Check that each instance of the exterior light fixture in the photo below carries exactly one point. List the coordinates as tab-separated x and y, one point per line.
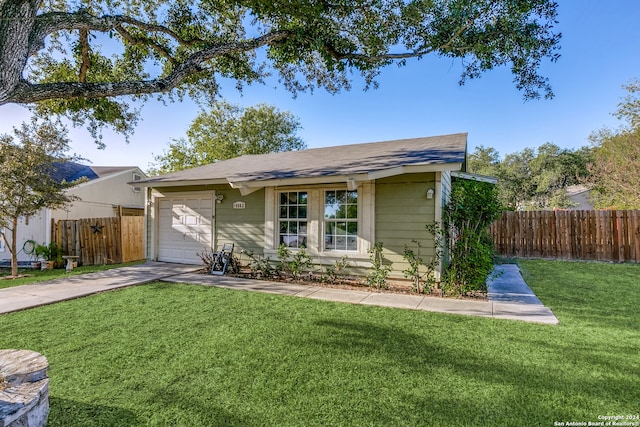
219	198
430	193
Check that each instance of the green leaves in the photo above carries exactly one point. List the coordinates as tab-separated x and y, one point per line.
534	179
65	51
472	207
27	168
616	169
228	131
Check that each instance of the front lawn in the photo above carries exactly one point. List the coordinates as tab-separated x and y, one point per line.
186	355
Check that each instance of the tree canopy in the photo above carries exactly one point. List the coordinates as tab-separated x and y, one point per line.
228	131
616	167
28	162
534	178
89	59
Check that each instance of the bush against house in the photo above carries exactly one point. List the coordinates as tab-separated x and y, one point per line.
472	208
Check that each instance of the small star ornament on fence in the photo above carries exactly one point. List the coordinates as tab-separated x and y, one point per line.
97	229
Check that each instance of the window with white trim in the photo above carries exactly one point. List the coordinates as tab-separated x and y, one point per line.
137	177
340	220
292	218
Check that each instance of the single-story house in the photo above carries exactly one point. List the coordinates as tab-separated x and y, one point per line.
335	201
106	192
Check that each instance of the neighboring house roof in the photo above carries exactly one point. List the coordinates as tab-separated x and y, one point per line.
72	171
329	164
103	171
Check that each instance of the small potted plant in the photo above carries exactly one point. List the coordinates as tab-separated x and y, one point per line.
50	254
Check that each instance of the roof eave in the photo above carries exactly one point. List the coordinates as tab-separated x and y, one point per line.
475	177
248	187
179	183
402	170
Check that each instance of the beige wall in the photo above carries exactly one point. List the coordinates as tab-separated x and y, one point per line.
98	197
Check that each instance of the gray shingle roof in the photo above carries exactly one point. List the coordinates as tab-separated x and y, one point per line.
337	161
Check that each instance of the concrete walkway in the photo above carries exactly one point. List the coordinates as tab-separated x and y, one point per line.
509	296
42	293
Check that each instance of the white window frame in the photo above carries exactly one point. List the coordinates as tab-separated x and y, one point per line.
137	177
300	238
326	221
315	220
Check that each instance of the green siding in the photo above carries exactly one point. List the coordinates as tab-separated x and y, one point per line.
402	212
244	227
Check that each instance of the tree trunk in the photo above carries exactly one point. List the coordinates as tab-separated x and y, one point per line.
12	248
16	25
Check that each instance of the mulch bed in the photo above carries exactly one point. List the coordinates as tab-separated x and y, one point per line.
393	287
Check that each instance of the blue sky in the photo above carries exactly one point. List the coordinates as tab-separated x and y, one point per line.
600	52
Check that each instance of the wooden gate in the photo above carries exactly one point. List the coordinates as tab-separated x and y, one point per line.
98	241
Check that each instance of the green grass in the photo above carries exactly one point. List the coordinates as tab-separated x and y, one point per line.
34	275
186	355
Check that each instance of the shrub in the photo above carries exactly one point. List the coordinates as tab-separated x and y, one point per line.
336	270
261	267
294	264
473	207
422	274
379	271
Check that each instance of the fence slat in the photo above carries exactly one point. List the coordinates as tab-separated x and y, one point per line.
101	240
606	235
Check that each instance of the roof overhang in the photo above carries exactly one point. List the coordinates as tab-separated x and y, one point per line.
475	177
352	180
249	186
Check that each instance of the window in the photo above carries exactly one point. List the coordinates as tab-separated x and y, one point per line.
137	177
2	248
341	220
293	218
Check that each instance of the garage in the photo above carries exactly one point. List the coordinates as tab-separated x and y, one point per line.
185	227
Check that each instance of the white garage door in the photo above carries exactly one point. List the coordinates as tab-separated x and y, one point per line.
185	227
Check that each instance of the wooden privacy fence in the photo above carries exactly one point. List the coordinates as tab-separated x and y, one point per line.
101	240
604	235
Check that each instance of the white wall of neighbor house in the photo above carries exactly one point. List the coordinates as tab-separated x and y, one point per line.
36	228
99	198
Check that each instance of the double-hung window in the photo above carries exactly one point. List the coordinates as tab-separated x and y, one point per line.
340	220
292	218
